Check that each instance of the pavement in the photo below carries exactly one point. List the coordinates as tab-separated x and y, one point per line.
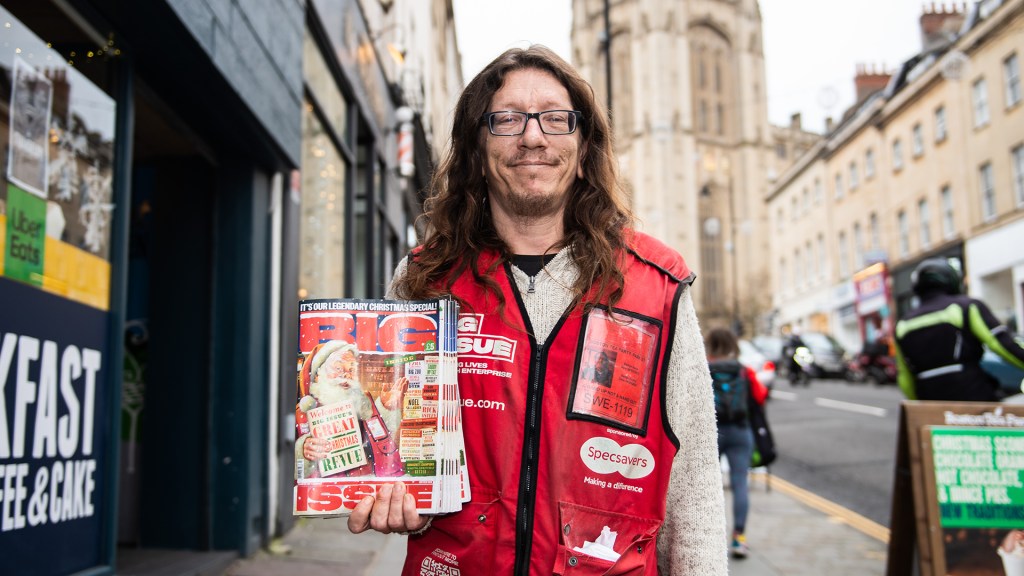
791	532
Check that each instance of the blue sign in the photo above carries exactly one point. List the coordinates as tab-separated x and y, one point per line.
53	432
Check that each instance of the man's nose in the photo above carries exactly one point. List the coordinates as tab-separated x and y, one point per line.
533	131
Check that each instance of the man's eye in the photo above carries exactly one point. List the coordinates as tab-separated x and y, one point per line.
506	119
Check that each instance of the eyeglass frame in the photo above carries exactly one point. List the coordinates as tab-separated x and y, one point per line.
486	121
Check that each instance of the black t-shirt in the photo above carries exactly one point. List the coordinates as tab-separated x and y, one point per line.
531	264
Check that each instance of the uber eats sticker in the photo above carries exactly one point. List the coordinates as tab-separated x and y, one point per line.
26	236
979	476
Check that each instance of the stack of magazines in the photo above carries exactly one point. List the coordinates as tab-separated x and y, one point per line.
378	403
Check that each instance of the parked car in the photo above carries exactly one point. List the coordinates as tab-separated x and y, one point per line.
756	360
771	347
830	358
1008	375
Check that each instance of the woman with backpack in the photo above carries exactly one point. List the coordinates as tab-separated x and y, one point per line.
735	387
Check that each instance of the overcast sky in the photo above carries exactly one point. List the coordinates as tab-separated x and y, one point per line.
812	47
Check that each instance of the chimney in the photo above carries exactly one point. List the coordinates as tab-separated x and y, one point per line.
869	80
829	124
794	121
940	25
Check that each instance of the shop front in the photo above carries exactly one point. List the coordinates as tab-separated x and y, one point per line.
141	226
873	304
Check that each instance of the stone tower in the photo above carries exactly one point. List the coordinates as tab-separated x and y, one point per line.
689	107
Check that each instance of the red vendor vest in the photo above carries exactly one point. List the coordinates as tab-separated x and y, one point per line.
565	439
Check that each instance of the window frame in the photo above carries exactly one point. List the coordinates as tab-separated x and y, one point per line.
979	103
1011	80
941	129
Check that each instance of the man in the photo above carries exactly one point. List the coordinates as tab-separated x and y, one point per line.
529	229
939	344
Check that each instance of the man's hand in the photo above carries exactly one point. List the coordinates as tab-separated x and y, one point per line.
394	511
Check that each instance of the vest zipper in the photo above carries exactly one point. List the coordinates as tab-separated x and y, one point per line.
530	288
528	474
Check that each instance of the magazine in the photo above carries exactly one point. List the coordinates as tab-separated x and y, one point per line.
377	402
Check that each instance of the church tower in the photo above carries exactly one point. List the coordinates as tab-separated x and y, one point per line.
689	108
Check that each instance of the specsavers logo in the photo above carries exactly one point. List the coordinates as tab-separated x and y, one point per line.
604	456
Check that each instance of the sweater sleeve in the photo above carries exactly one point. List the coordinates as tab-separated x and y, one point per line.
692	541
399	272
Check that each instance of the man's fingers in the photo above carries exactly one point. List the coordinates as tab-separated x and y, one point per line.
396	517
413	520
359	520
379	516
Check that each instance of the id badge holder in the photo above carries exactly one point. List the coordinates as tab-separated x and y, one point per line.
613	379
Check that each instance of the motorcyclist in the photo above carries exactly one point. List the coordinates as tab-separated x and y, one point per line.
875	361
939	344
792	343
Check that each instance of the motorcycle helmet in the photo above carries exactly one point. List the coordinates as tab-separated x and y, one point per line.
935	275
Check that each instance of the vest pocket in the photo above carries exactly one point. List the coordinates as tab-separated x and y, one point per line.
635	539
471	531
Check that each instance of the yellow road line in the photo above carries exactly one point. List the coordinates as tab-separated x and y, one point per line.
868	527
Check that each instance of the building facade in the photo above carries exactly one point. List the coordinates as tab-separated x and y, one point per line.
930	166
137	279
179	174
689	107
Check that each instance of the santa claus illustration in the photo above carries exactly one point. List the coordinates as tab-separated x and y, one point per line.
332	376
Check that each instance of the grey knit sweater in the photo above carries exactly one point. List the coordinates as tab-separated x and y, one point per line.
692	541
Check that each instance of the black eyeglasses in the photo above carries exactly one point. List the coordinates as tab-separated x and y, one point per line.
512	123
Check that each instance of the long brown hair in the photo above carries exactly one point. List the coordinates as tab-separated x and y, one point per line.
458	222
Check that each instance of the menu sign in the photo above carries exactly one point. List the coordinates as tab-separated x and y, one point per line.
959	490
978	477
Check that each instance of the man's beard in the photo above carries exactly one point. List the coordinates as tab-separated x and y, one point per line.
330	391
532	205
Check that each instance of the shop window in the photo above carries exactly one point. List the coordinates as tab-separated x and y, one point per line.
58	141
324	90
322	226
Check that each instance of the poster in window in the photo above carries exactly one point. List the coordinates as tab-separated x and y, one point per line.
31	99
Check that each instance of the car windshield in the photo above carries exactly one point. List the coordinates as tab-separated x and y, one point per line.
749	350
821	341
769	345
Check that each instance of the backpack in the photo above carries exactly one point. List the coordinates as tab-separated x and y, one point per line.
732	390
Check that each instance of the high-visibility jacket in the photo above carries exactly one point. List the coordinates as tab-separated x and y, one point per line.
939	347
557	449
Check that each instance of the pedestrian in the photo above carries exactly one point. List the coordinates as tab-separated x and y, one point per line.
528	227
735	386
939	344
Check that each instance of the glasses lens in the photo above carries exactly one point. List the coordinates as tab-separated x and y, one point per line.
507	123
558	121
